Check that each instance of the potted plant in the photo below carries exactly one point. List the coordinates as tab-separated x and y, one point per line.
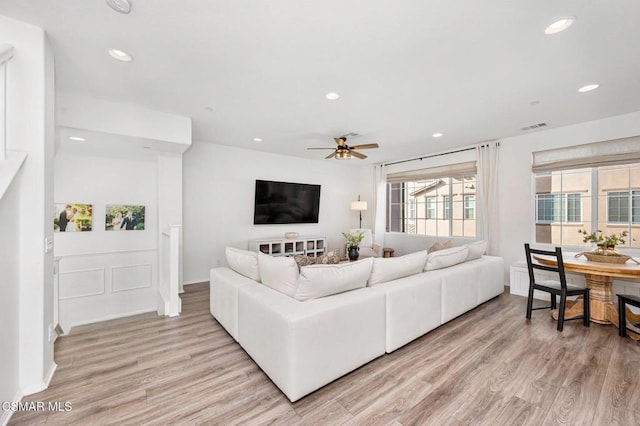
353	244
605	244
605	250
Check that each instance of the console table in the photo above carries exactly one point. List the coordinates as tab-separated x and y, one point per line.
312	246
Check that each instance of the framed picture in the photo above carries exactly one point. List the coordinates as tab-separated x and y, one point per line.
73	218
123	217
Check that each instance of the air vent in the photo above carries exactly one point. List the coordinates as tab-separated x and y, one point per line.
534	126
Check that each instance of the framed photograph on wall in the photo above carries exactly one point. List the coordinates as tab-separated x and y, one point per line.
124	217
73	218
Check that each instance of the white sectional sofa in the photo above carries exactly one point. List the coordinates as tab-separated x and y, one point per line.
304	345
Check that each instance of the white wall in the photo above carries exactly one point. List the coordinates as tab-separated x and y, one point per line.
515	187
9	297
106	274
219	188
98	115
30	86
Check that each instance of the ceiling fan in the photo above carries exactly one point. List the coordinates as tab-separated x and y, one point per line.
344	151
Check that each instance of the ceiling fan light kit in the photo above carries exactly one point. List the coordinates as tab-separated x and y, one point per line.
346	152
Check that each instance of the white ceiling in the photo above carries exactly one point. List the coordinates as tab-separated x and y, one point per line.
469	69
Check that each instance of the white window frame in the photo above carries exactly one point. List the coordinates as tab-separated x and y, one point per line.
466	208
631	193
446	207
431	208
564	198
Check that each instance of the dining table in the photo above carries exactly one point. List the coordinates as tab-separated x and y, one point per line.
599	278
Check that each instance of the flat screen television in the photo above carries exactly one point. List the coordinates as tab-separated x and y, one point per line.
284	203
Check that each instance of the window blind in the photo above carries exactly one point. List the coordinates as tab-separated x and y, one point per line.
451	170
616	151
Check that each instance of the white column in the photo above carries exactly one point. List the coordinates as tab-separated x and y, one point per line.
6	53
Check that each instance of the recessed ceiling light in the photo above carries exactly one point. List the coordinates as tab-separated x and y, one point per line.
558	26
436	135
122	6
332	96
76	138
588	88
257	139
120	55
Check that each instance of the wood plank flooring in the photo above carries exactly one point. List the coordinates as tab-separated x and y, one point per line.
489	366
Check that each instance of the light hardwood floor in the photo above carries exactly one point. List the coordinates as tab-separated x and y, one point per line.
489	366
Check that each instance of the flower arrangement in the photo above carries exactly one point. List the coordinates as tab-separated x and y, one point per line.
353	240
604	241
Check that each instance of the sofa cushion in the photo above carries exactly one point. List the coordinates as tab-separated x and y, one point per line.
324	280
243	262
476	250
391	268
445	258
279	273
440	246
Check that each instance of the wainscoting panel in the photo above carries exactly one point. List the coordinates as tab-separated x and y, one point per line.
130	277
101	286
81	283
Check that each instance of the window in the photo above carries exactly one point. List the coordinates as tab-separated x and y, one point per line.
439	207
623	207
412	209
431	208
446	203
469	207
605	198
558	208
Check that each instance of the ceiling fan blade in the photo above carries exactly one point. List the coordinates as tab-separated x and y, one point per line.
333	154
321	148
366	146
357	155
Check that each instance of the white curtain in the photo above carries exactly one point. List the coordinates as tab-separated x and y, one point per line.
380	203
487	202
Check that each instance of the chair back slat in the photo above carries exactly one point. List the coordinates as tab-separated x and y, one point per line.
559	269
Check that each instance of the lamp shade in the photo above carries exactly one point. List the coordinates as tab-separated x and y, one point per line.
358	205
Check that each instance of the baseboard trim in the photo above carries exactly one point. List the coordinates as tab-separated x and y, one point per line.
196	282
5	416
112	317
49	376
42	385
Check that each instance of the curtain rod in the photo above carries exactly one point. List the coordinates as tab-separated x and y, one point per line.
430	156
442	153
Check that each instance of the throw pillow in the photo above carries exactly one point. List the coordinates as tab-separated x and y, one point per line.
279	273
476	250
445	258
391	268
243	262
440	246
329	258
324	280
304	260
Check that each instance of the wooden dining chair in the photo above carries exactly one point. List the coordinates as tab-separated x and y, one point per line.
623	301
553	287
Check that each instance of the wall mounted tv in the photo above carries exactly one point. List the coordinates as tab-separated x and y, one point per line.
283	203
